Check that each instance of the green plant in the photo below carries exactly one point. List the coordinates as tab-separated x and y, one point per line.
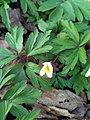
62	37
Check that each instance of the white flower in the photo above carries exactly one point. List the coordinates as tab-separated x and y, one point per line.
47	68
88	73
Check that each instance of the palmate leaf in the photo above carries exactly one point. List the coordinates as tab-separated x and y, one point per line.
6	56
14	91
31	41
5	107
35	42
60	45
15	38
17	94
28	96
60	83
71	30
78	83
32	71
4	15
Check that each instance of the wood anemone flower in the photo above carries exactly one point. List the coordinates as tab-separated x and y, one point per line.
47	68
88	73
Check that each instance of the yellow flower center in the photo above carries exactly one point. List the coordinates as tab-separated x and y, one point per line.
47	69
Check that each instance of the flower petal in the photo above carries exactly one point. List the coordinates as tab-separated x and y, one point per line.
88	73
50	66
42	71
49	74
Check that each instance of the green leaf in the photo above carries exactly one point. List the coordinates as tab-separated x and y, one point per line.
45	84
68	10
33	67
77	10
81	26
44	49
56	14
31	116
29	95
23	5
82	55
18	110
14	91
59	83
45	26
5	107
42	38
33	9
71	30
15	39
33	77
35	42
48	5
32	70
71	61
19	72
5	16
5	80
42	25
83	5
31	41
4	72
80	84
61	45
7	57
85	37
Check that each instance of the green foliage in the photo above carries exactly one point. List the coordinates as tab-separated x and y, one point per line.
25	4
3	78
4	14
30	116
62	37
19	94
15	39
5	107
35	42
32	70
6	56
78	83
